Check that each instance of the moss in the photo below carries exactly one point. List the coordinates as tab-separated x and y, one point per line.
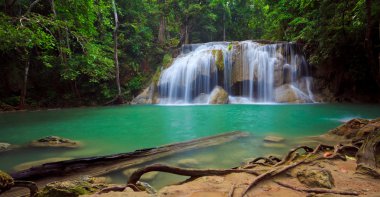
229	48
219	59
67	189
156	76
6	181
167	60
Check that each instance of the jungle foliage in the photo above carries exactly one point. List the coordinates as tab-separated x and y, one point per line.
60	53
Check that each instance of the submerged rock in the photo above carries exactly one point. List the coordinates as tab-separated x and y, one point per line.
273	139
187	163
149	176
55	141
274	145
4	146
218	96
6	181
316	177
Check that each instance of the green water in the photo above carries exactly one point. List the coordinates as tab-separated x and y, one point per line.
107	130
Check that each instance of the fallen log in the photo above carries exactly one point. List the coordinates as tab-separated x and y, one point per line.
100	165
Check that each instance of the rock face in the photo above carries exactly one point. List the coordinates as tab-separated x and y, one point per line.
4	146
6	181
218	96
55	141
316	178
148	96
288	94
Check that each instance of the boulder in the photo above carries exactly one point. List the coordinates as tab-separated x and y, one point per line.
71	188
6	181
4	146
273	139
289	94
316	177
55	141
218	96
356	128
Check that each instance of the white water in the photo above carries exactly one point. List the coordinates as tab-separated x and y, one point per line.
251	73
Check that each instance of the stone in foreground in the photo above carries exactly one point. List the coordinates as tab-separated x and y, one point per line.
316	177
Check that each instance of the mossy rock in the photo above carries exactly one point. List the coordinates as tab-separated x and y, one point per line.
67	189
219	59
6	181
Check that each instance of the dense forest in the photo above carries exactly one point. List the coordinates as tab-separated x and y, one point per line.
90	52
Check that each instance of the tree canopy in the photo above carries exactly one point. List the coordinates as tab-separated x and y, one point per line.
61	53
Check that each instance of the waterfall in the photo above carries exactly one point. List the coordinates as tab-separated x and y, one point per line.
248	71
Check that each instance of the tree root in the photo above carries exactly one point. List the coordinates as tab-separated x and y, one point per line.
28	184
291	152
136	175
291	156
292	159
318	191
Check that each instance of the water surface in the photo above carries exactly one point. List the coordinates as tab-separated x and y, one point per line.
108	130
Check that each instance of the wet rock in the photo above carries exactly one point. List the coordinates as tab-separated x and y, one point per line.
288	94
70	188
188	163
4	146
274	145
148	96
315	177
128	172
356	129
273	139
6	181
201	98
55	141
218	96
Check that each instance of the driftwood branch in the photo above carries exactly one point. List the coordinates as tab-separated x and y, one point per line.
318	191
184	172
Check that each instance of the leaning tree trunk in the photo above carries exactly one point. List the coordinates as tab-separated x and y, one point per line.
368	156
162	27
369	43
116	59
25	83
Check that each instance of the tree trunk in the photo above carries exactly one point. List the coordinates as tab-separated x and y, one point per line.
162	27
186	35
224	25
161	31
369	43
24	87
116	59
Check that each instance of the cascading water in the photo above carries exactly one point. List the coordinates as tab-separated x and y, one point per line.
248	71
